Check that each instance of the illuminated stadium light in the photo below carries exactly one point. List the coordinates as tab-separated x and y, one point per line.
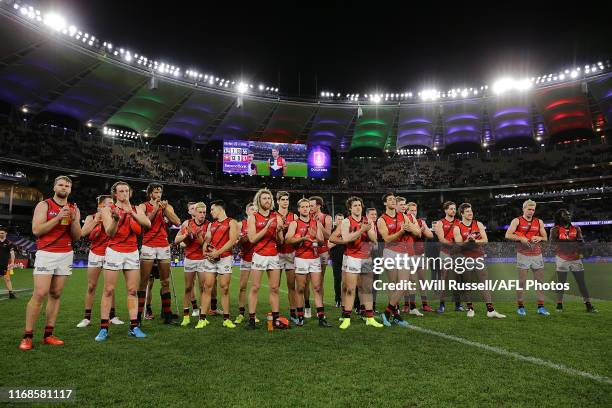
429	94
376	98
508	84
55	21
242	87
24	109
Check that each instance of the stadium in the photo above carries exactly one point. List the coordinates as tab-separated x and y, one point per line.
99	140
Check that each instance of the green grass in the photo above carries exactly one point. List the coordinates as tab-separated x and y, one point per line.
313	367
294	169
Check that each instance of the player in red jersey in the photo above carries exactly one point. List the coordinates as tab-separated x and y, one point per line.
220	238
155	246
195	310
568	241
191	235
470	235
357	233
122	223
398	232
94	231
528	231
302	233
316	203
265	232
411	209
286	253
56	223
246	261
444	232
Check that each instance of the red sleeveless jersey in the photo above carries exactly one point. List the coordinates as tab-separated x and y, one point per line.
473	250
157	235
568	249
128	229
324	247
447	230
419	242
287	248
220	234
246	252
528	229
59	238
404	244
266	246
306	250
193	248
359	248
99	240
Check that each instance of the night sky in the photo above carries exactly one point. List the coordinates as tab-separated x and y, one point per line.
351	49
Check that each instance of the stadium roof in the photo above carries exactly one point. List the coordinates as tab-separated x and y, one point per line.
47	72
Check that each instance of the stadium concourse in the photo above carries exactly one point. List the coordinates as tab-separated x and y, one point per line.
115	196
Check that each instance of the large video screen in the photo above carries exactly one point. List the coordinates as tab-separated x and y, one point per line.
255	158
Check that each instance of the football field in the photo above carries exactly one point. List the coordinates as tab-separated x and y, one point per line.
442	360
294	169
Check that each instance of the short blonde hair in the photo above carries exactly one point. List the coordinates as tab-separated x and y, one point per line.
200	204
64	178
528	203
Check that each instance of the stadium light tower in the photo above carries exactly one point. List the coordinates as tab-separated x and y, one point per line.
55	21
242	87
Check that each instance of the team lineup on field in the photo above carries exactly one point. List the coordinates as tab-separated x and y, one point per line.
272	239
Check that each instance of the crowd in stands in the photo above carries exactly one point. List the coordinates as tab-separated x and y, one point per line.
576	161
55	147
93	153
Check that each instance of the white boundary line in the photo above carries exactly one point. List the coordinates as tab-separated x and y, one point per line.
517	356
498	350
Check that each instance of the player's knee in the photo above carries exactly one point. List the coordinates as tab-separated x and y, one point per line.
165	283
349	291
109	291
55	294
39	296
255	287
91	288
317	288
132	292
